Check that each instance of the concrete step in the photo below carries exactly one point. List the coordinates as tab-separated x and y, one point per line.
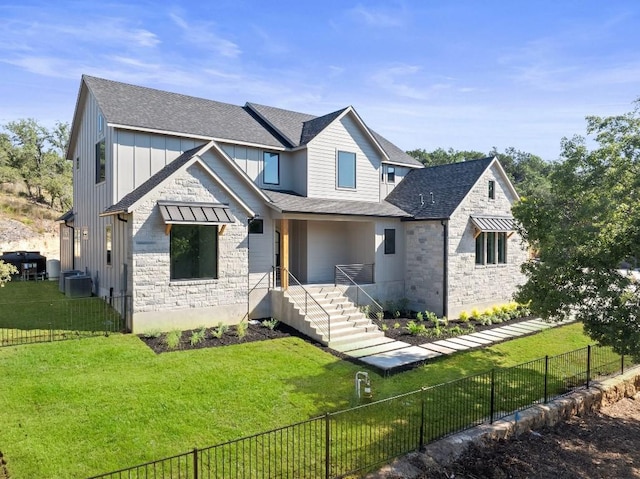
354	339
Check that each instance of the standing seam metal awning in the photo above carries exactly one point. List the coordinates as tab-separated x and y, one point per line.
491	224
194	213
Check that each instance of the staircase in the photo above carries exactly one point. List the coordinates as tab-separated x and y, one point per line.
324	314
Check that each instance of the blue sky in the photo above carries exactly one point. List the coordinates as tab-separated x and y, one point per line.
425	74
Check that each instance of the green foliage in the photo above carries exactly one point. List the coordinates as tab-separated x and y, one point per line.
396	314
6	271
475	314
36	155
172	338
241	329
431	317
384	327
396	325
198	336
270	323
583	230
463	316
219	330
152	333
419	316
416	329
380	315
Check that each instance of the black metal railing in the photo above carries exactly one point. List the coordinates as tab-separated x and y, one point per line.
66	318
358	272
313	311
355	440
350	288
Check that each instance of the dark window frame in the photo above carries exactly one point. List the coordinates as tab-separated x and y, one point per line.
181	262
267	158
492	190
491	248
101	161
256	226
389	241
391	174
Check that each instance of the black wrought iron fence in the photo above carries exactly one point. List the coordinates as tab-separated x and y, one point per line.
355	440
55	320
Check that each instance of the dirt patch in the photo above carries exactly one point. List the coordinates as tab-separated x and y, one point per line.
600	445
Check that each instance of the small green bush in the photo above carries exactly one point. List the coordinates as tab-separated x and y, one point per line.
419	316
464	316
172	339
416	329
475	314
219	331
396	314
241	329
152	333
198	336
396	325
384	327
270	323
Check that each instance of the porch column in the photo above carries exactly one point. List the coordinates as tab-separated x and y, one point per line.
284	253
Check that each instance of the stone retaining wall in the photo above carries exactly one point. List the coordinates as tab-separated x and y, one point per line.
447	450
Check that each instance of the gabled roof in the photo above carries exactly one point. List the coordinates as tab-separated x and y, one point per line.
300	128
290	202
128	202
436	192
140	107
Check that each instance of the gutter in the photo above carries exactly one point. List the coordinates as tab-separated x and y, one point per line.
73	244
445	267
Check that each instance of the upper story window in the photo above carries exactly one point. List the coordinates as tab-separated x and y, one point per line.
256	226
271	169
346	170
492	190
100	123
391	174
101	161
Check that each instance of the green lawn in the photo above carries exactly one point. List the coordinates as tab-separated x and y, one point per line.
76	408
82	407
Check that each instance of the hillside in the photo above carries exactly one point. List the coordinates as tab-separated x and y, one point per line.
25	225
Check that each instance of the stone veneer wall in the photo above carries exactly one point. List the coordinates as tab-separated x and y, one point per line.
164	304
472	285
425	265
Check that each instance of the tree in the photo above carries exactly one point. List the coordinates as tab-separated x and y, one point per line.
36	155
584	229
440	156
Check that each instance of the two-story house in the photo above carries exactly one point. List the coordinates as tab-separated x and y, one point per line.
202	211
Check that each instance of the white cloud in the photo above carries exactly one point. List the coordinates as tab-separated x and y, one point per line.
378	17
202	35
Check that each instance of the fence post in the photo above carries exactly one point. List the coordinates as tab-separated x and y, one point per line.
493	395
327	446
546	379
195	463
422	418
588	365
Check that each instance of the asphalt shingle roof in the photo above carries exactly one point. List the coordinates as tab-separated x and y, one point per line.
290	202
143	107
442	188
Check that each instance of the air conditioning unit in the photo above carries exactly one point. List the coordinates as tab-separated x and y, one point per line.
77	286
64	275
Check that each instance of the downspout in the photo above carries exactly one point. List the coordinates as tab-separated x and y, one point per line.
73	244
445	267
125	282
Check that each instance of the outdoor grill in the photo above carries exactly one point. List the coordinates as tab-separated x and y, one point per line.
30	264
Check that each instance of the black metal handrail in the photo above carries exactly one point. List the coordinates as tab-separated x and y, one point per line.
313	310
365	303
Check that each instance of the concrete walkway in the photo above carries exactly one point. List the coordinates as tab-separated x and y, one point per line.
387	354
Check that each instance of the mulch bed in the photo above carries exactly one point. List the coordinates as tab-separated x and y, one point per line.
401	333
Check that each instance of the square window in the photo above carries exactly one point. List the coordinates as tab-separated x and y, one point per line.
271	172
492	189
389	241
256	226
346	170
193	251
101	161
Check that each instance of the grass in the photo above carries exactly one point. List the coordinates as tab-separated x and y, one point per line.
77	408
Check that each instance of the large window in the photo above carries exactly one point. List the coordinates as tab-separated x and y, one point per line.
194	251
346	170
491	248
101	161
271	172
389	241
